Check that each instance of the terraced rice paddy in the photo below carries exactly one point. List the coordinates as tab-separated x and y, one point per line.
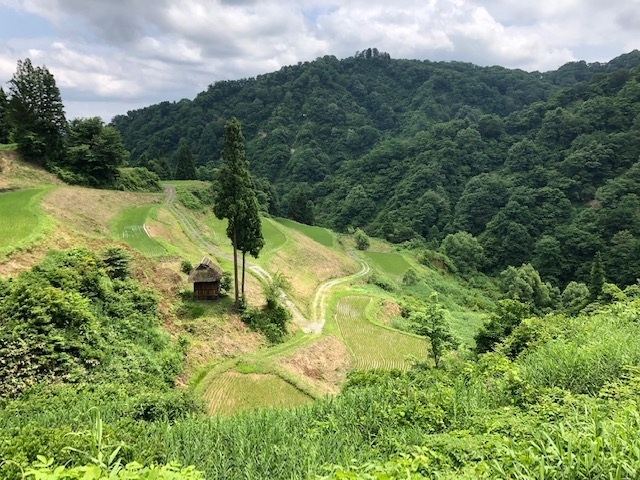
391	263
20	218
319	234
373	346
233	391
129	227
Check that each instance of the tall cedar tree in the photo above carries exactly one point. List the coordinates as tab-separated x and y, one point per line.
185	168
250	237
36	114
4	121
236	198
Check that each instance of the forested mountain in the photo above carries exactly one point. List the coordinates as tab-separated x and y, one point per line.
540	167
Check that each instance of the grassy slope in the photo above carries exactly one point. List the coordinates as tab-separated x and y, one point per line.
22	221
221	347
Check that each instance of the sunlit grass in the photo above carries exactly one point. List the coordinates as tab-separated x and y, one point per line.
21	220
390	263
129	226
321	235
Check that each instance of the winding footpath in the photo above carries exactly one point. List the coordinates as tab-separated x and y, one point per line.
320	297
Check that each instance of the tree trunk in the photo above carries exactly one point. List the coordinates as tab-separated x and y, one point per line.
235	264
243	255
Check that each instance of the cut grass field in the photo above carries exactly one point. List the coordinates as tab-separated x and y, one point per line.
129	227
319	234
274	238
374	346
21	220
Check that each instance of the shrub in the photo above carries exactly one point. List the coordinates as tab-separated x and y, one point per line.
116	261
361	239
186	267
138	179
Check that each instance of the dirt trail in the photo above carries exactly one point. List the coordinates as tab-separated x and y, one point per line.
318	309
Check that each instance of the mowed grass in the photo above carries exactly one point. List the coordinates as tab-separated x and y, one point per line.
232	392
21	220
391	263
129	227
319	234
373	346
273	237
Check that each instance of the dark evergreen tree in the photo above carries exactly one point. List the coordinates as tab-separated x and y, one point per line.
36	114
250	239
4	120
235	198
596	277
185	168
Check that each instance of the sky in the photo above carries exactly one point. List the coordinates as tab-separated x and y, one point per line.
112	56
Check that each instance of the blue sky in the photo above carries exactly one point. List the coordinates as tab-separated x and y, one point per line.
111	56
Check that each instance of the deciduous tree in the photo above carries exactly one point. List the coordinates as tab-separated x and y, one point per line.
430	322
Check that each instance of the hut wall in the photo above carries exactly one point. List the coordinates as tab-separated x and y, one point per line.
206	290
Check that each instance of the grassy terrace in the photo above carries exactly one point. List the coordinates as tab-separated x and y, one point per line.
21	220
128	225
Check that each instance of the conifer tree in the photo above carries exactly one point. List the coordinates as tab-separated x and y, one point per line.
250	239
36	114
596	278
236	199
4	121
185	168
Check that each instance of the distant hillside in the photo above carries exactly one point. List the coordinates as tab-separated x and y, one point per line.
539	166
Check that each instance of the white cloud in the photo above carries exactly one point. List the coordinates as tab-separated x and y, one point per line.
142	52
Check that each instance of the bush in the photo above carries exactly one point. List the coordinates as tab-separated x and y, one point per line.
186	267
138	179
116	261
361	239
271	321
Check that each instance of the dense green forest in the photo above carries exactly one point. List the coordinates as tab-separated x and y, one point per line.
538	167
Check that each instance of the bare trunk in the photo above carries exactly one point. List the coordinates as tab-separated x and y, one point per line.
243	255
235	265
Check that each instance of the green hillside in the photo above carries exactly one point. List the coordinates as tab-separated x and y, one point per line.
487	326
540	167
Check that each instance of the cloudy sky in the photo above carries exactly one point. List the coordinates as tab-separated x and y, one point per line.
111	56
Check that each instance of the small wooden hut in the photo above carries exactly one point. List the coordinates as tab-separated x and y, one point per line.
206	278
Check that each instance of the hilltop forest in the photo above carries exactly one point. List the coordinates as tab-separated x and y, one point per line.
537	167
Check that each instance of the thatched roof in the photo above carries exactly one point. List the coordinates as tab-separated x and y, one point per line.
205	271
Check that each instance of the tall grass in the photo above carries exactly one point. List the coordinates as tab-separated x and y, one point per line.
587	353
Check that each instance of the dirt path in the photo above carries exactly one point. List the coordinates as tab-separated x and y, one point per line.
318	309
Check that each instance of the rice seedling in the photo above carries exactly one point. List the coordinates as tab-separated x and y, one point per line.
374	346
